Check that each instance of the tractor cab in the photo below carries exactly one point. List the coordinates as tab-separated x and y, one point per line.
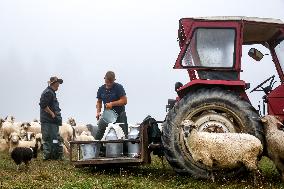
211	51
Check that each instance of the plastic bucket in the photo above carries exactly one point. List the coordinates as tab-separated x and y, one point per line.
90	151
109	116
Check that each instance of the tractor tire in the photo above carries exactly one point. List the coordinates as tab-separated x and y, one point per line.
213	110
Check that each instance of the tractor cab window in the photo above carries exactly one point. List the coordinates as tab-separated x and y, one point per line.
211	48
279	49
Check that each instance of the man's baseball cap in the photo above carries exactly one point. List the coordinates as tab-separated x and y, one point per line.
55	79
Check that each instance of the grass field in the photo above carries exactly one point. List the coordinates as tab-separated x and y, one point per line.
60	174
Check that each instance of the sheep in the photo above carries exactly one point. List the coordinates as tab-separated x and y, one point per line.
1	130
34	127
66	131
225	150
10	119
8	127
85	136
36	120
274	138
28	136
79	128
15	141
1	121
4	146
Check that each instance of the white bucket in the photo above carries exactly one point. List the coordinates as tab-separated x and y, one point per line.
109	116
90	151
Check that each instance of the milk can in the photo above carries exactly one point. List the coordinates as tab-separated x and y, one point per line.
133	148
113	149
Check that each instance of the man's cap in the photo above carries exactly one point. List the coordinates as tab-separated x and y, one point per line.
110	75
55	79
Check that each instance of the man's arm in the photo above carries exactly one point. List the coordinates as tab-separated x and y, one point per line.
99	108
121	102
48	110
44	101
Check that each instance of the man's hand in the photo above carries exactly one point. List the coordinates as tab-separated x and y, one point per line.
52	114
109	105
98	116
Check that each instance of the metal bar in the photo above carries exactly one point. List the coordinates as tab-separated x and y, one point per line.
108	161
106	141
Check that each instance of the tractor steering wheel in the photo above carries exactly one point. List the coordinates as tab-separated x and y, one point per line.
265	89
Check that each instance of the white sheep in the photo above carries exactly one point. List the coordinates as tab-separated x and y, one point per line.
225	150
274	138
4	146
1	130
15	141
67	132
85	136
79	128
1	121
10	118
8	127
34	127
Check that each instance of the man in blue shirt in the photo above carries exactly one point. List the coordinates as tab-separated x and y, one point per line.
113	96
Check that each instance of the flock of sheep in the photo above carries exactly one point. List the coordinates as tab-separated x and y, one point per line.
27	134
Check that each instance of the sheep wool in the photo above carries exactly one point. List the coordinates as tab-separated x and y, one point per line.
274	138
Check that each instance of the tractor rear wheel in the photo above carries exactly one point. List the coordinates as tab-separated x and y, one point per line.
212	110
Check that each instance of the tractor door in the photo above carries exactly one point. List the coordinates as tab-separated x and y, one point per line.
275	99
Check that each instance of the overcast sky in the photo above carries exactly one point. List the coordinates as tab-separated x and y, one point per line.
81	40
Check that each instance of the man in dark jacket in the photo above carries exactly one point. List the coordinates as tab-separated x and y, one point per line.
50	118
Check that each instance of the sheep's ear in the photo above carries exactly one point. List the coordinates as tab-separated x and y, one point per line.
29	124
6	118
263	120
22	124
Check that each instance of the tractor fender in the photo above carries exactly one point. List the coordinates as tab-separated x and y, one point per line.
238	86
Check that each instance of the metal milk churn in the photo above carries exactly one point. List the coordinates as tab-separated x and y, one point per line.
133	148
113	149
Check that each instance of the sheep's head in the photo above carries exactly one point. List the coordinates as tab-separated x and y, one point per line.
25	125
188	126
38	136
10	118
272	121
14	138
35	120
23	135
71	121
31	135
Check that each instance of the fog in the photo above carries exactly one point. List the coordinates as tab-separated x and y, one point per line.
80	40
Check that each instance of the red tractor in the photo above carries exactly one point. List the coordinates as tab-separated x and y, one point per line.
215	98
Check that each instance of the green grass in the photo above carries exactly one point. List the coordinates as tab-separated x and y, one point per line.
60	174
